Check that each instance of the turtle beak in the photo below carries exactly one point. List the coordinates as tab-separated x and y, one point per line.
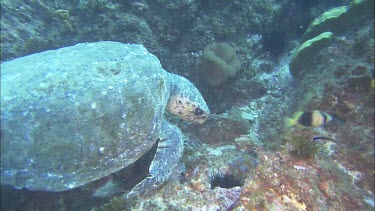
201	119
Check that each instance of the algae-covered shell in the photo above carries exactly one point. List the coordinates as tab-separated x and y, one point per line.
76	114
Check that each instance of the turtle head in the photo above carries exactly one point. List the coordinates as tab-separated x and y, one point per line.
186	101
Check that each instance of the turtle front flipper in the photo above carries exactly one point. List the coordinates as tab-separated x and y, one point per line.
167	158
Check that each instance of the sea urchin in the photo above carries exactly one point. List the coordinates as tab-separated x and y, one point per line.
224	180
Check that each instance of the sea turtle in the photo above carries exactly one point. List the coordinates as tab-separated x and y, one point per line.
73	115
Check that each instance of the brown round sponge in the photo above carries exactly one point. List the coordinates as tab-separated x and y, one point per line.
219	63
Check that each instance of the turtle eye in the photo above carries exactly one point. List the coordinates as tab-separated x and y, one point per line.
198	111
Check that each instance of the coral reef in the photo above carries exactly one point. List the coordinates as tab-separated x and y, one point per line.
328	21
306	52
219	63
218	131
279	169
299	144
359	79
63	15
340	19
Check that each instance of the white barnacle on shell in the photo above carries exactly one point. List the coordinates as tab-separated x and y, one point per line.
93	105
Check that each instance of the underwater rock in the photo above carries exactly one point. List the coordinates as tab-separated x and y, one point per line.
302	58
220	62
219	131
340	19
198	185
109	189
360	9
360	79
328	21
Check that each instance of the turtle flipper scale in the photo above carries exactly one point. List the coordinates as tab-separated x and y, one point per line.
166	159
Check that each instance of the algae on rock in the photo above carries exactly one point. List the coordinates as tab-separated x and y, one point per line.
340	19
302	58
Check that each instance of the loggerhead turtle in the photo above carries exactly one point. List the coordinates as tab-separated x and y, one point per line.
73	115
